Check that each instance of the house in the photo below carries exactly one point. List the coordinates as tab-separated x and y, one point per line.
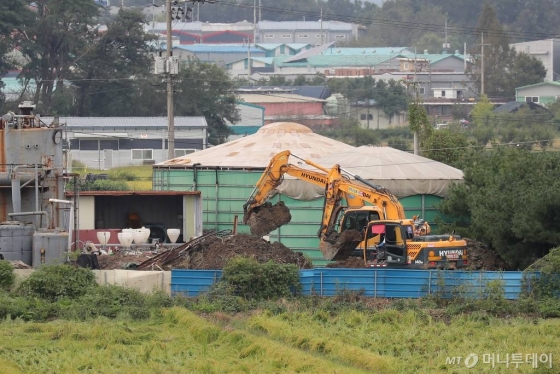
288	107
547	51
541	93
251	120
107	142
371	117
217	53
515	106
311	32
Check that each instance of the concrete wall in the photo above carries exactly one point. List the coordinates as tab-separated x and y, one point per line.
143	281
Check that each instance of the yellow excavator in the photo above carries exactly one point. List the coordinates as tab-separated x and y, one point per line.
380	231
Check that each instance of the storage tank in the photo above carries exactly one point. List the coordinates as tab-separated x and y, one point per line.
16	241
49	247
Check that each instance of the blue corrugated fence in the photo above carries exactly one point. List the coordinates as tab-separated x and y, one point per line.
389	283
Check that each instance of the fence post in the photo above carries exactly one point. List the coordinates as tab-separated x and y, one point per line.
480	285
429	282
375	283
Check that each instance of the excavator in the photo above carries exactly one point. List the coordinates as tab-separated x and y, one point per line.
380	231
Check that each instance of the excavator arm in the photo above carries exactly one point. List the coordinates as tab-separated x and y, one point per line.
273	176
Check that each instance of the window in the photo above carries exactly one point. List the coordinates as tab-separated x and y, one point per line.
302	36
406	66
340	36
142	154
442	93
363	116
268	36
286	36
422	91
531	99
183	152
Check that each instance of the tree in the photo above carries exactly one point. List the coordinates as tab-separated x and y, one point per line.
111	65
446	145
201	89
509	200
12	13
481	119
53	41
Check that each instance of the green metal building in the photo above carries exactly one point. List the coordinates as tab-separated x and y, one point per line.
226	176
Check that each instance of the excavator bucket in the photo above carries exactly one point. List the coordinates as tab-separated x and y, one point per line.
267	218
341	248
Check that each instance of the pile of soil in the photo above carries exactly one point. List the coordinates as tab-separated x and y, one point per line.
483	258
214	252
268	218
350	262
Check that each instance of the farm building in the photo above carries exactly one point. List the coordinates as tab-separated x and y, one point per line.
226	175
106	142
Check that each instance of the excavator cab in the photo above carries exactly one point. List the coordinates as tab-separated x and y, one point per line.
386	243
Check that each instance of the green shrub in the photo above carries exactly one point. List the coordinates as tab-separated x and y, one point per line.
7	276
105	185
253	280
122	175
113	301
56	282
27	308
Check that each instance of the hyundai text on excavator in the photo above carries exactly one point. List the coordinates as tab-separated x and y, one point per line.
380	231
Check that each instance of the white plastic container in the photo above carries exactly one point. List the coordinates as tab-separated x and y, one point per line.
173	234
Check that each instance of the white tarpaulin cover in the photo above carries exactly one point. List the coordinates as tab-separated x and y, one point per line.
255	151
403	173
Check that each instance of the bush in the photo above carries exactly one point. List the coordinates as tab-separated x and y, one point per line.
56	282
105	185
27	309
7	276
253	280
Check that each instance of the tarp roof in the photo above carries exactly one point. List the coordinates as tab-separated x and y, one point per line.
255	151
402	173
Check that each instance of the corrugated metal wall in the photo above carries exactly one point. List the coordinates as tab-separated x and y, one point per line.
387	283
225	191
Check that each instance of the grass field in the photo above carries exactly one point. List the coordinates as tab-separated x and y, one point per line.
180	341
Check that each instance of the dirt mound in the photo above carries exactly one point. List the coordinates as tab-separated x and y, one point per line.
483	258
214	252
268	218
350	262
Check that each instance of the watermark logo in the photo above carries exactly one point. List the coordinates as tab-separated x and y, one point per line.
469	361
507	359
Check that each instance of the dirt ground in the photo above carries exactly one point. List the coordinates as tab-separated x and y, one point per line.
268	218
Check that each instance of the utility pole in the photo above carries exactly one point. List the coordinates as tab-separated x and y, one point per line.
170	117
482	64
416	136
169	65
321	25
